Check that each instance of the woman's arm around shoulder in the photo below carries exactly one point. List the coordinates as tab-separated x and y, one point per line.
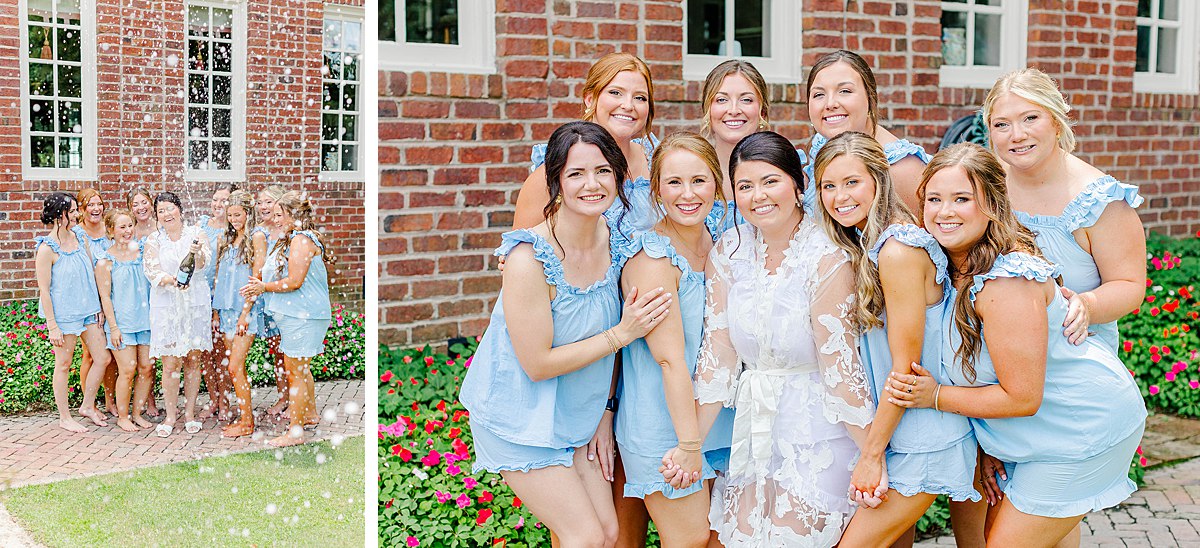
531	200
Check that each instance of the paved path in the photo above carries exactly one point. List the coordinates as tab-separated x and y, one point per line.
1166	511
33	449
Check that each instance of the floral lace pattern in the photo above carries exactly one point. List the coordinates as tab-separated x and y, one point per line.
780	348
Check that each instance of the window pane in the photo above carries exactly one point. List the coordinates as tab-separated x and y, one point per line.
387	20
987	39
222	57
40	10
222	90
70	153
221	118
197	55
349	127
350	66
329	127
220	155
988	2
349	158
70	81
431	21
1143	49
41	152
333	34
954	1
68	44
198	154
198	20
41	79
329	158
68	11
41	115
352	36
332	68
70	117
39	43
222	23
705	26
1169	10
333	97
197	88
1167	47
954	38
349	97
749	32
1143	8
198	122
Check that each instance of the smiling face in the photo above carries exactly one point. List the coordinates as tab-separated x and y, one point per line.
589	185
140	205
622	106
686	188
266	205
838	102
280	217
766	196
95	210
236	216
952	211
735	111
169	215
847	191
123	229
72	214
220	200
1022	133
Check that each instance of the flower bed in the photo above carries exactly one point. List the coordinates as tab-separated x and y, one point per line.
27	363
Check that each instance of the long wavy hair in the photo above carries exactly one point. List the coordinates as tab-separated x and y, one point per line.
244	249
1004	234
886	209
690	142
716	77
602	73
296	204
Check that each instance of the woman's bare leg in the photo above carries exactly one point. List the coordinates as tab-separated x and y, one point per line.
1013	527
565	500
172	371
191	384
239	348
126	359
682	521
93	337
142	385
62	372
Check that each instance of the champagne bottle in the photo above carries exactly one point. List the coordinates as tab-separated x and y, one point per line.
187	267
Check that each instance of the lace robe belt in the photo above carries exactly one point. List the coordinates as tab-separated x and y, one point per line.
757	404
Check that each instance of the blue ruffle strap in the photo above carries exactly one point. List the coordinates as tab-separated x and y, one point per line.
1015	265
48	241
903	148
657	246
913	236
537	156
311	236
1089	205
542	251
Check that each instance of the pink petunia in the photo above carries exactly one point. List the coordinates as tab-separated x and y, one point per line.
1153	389
1170	377
386	377
470	483
1194	384
453	470
441	497
463	501
412	541
432	459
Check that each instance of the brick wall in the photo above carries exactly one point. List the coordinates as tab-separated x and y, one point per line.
454	149
141	123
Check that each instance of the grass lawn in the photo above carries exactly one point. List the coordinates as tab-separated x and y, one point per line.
306	496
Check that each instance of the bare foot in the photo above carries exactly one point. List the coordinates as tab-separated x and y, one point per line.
96	417
312	420
71	425
127	425
152	410
111	408
278	408
225	415
238	429
207	413
142	422
288	439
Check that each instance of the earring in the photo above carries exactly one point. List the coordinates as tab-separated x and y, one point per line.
762	124
588	112
558	199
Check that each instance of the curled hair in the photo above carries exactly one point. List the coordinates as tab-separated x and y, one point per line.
860	66
1004	234
690	142
245	249
297	205
1036	87
169	197
602	73
886	209
55	207
561	141
110	220
716	77
86	194
140	191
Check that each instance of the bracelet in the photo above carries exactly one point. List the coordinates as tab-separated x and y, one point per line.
612	345
936	392
690	446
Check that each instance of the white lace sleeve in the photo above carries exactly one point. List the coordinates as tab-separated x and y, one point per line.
151	263
718	368
847	393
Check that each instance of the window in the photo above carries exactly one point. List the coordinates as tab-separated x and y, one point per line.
440	35
981	41
215	83
1166	46
341	71
760	31
58	89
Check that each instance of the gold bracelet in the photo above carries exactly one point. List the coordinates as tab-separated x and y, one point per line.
612	345
690	446
936	392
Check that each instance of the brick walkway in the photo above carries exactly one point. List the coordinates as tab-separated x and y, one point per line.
33	449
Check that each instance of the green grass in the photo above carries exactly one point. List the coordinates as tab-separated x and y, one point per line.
310	496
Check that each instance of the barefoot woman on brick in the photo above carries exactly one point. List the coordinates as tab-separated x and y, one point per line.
91	228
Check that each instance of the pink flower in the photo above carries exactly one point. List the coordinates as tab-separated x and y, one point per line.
470	483
1179	367
451	458
441	497
1142	461
432	459
463	501
520	522
412	541
1194	384
453	470
1170	377
1153	389
385	378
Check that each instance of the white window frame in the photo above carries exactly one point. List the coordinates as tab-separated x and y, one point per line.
237	129
783	66
357	15
87	58
1187	44
1014	20
474	54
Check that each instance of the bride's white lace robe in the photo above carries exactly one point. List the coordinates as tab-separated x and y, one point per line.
780	348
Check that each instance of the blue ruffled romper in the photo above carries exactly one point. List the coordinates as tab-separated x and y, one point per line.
130	294
73	293
642	213
930	451
1072	456
228	302
209	272
302	315
269	328
896	150
1055	237
95	245
521	425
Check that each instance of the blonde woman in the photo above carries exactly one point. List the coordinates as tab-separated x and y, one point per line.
125	298
91	228
240	319
214	363
263	238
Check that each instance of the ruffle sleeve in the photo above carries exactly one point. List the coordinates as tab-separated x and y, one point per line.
913	236
1015	265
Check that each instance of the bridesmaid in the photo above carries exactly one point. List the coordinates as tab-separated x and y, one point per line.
214	363
141	204
1083	219
842	97
240	318
263	238
901	288
69	300
1064	419
125	298
91	228
618	94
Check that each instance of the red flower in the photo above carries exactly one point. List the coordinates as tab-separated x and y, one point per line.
428	361
460	448
441	405
1128	346
454	432
432	459
483	516
1154	350
458	415
1149	298
1171	306
386	377
485	497
1154	311
516	502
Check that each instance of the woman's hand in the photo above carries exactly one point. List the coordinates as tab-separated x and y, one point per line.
1075	326
243	325
672	472
168	281
687	466
869	476
195	246
912	391
56	336
989	468
641	314
874	497
115	336
602	445
253	288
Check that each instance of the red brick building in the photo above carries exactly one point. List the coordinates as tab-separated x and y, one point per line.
455	129
180	95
